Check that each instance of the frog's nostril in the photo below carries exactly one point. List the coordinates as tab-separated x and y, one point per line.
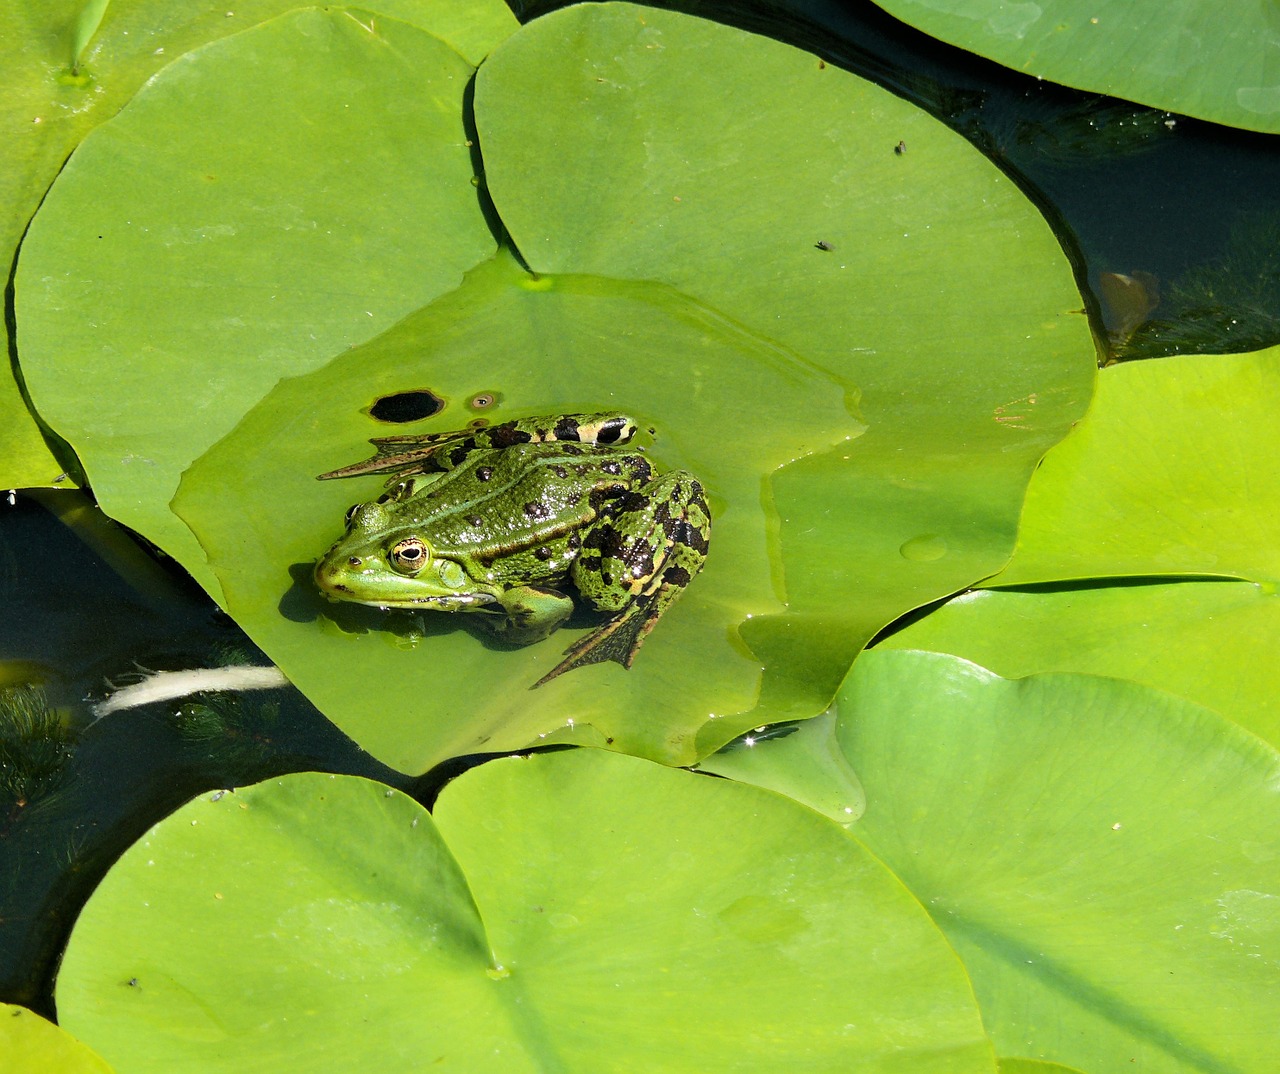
354	561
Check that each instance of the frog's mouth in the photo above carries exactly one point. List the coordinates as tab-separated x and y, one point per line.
450	602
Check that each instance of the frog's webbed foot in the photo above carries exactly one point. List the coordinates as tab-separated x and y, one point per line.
618	640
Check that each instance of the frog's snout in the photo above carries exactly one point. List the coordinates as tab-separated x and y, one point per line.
327	578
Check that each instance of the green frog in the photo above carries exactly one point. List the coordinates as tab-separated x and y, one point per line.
497	519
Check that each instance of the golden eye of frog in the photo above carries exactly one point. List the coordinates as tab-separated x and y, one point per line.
498	519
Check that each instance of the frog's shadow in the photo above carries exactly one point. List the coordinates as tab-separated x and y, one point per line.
302	602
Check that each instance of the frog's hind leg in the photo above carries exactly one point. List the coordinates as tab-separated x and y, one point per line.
420	453
637	558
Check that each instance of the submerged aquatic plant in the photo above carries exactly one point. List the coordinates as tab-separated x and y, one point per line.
35	746
1229	304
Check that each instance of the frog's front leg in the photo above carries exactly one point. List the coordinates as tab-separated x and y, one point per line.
637	558
531	614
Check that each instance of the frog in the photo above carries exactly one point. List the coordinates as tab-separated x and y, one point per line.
501	519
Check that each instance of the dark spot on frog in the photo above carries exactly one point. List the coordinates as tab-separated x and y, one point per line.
572	449
610	467
676	575
559	470
630	501
607	495
641	471
567	430
507	435
611	431
543	553
534	509
475	520
401	407
483	473
681	532
458	454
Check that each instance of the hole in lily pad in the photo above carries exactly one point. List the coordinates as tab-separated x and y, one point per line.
404	407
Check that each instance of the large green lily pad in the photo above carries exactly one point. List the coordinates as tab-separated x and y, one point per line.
266	201
1105	857
1212	642
66	65
1176	471
32	1045
687	285
1189	56
578	911
442	690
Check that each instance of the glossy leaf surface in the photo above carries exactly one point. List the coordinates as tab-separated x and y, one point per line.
1104	857
1175	471
30	1044
47	107
577	911
180	267
1179	55
1212	642
802	760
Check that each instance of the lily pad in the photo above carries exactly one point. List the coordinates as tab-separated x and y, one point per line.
802	760
1178	55
1212	642
32	1045
67	65
1103	856
266	201
689	287
782	203
505	333
1176	471
26	458
579	911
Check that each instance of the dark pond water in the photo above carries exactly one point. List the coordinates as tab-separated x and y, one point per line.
1188	210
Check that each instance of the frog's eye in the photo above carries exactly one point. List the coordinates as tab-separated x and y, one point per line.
409	556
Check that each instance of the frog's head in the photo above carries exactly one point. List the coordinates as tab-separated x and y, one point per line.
382	562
